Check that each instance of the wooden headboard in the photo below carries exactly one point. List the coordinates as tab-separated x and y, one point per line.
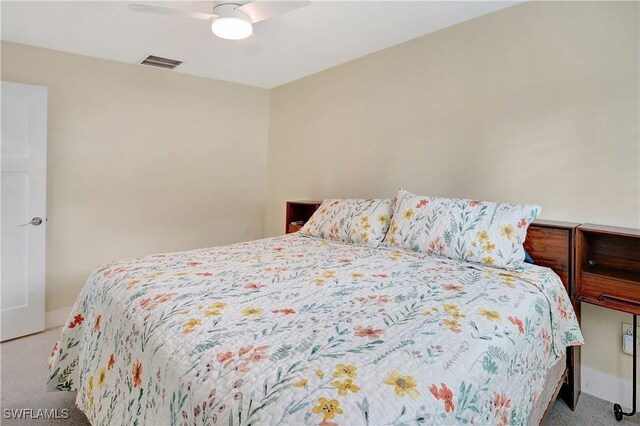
551	244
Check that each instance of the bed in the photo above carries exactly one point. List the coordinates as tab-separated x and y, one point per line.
299	330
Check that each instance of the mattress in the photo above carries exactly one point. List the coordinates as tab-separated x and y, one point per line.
544	399
296	330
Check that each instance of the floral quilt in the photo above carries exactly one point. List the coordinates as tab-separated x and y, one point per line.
297	330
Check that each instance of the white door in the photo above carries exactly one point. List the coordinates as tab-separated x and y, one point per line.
23	154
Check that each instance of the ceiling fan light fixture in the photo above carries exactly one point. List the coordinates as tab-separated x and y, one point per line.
232	28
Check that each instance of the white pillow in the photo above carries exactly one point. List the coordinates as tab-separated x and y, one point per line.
476	231
350	220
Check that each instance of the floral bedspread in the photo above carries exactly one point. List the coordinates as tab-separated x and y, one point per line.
296	330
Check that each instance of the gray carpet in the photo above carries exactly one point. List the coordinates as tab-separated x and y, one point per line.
24	371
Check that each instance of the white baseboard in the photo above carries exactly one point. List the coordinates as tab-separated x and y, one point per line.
56	317
606	387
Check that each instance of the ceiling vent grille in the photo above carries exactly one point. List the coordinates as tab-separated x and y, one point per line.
159	62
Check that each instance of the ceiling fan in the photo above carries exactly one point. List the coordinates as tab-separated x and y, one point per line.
230	20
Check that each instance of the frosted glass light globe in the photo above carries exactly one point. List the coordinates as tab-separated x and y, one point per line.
232	28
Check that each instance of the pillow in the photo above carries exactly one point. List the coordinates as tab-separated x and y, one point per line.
476	231
350	220
528	258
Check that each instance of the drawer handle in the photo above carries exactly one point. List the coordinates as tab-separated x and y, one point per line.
632	303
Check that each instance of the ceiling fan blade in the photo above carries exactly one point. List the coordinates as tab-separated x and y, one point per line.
261	10
173	12
250	46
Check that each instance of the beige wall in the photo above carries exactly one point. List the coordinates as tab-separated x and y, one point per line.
535	103
141	161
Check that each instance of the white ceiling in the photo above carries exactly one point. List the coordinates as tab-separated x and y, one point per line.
294	45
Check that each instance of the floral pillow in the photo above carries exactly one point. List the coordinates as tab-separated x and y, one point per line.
476	231
350	220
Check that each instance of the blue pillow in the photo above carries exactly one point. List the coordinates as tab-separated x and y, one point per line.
527	258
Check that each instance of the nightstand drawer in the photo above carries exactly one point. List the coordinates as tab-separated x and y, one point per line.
611	288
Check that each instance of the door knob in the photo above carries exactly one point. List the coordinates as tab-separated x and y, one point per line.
35	222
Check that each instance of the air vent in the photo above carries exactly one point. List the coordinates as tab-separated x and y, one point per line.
159	62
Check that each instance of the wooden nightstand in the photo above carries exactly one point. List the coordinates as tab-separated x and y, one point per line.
608	267
608	275
298	212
